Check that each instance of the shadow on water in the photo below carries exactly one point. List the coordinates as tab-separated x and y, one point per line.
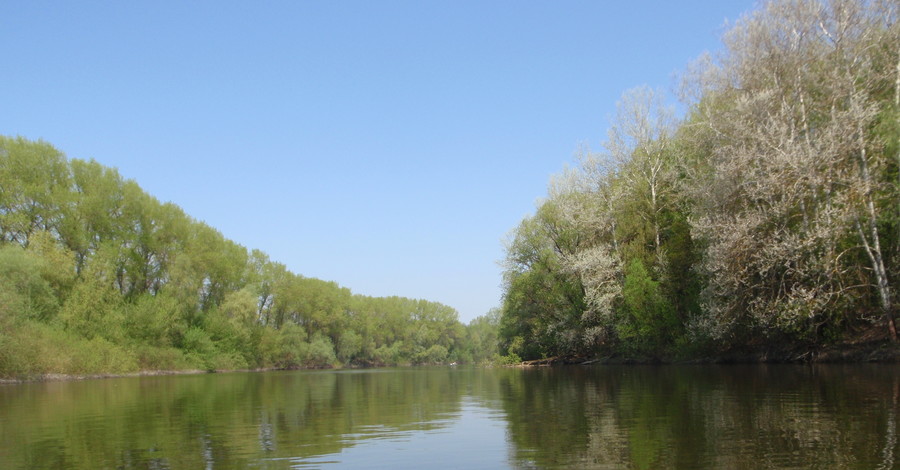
755	416
761	416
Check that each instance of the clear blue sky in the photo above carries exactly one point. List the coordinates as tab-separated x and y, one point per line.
386	145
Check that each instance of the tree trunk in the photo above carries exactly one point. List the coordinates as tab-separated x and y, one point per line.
873	248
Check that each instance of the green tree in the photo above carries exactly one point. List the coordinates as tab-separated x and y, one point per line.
800	191
90	260
93	309
36	184
96	216
649	322
24	293
349	346
482	337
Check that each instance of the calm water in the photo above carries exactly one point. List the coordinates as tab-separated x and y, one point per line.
644	417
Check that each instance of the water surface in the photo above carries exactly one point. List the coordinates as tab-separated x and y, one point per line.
642	417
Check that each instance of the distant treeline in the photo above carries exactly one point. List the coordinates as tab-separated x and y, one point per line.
769	215
97	276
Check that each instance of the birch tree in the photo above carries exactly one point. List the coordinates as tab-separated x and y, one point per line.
798	182
639	142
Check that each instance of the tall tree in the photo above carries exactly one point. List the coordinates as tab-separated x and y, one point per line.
34	188
640	142
797	169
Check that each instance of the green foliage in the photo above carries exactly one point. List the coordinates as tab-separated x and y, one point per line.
349	346
24	293
319	353
290	349
507	360
154	320
151	357
197	345
35	348
649	322
35	186
544	300
294	351
94	309
482	338
435	354
56	262
232	327
770	213
91	262
390	354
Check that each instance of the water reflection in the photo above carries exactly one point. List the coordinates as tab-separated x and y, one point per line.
705	417
576	417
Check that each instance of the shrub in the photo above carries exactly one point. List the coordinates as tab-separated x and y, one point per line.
320	353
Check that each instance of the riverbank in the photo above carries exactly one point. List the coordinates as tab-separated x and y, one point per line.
151	373
143	373
870	345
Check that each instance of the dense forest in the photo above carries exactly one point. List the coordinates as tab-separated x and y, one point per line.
769	214
97	276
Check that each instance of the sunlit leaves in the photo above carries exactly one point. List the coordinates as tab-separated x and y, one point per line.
95	258
770	212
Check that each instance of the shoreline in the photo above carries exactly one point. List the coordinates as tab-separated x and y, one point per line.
866	345
874	352
885	354
53	377
864	350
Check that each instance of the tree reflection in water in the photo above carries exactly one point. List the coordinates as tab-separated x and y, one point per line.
767	416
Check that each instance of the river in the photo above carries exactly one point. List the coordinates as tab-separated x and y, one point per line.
629	417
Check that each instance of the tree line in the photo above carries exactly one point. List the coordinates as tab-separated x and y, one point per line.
769	214
97	276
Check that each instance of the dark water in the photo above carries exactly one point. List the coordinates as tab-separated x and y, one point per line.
643	417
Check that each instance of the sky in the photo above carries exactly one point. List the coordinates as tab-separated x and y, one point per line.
390	146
